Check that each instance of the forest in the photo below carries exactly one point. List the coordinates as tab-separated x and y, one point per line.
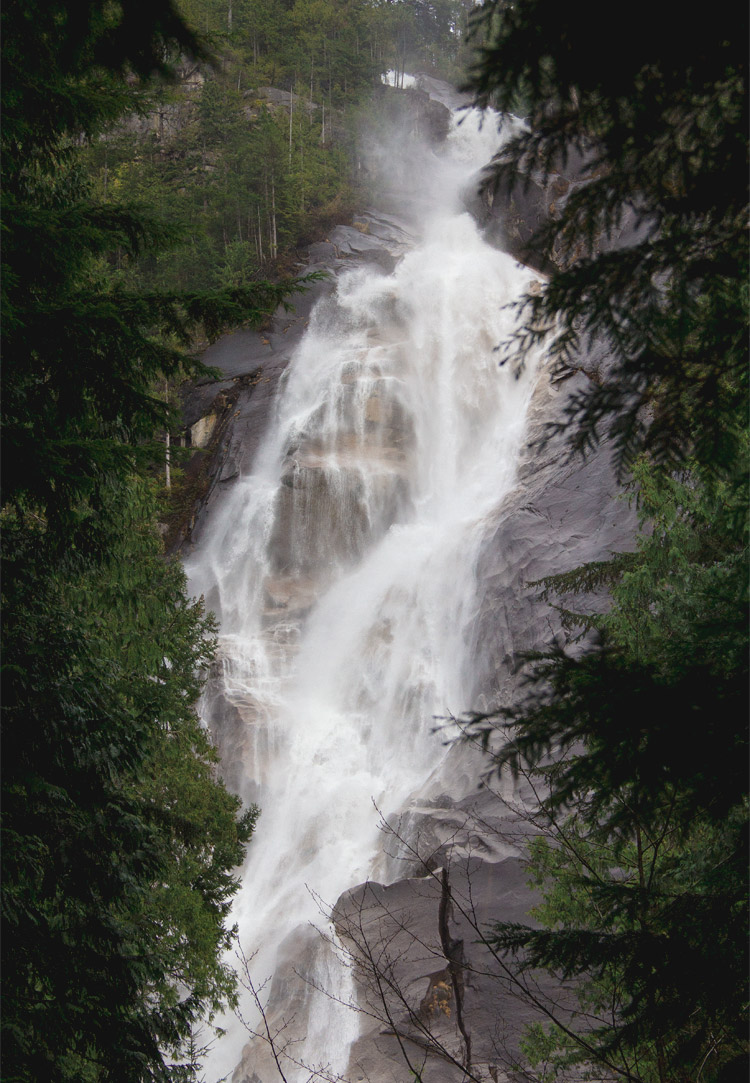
162	165
256	153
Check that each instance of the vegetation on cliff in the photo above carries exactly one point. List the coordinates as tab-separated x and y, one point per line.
254	154
643	870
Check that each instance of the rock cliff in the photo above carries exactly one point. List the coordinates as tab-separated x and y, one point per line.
429	994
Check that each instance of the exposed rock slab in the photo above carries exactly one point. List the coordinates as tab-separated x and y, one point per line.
376	237
561	514
512	207
237	356
458	851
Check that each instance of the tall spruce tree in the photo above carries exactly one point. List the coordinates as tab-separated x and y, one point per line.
658	118
119	842
645	717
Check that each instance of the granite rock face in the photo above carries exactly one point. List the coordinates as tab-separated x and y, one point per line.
463	844
430	995
417	111
422	971
250	363
564	512
513	206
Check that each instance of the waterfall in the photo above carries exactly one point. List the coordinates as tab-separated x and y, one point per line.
341	569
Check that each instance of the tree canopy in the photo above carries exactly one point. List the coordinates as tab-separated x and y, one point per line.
658	123
119	840
637	727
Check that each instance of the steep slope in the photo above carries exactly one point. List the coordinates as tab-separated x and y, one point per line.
369	562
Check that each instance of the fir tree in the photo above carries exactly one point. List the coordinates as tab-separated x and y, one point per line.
659	124
639	726
643	860
119	843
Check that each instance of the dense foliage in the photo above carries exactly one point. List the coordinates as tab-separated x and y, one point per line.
658	125
636	731
119	842
642	855
257	153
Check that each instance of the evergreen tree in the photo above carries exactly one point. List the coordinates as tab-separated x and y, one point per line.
660	124
639	727
119	843
643	861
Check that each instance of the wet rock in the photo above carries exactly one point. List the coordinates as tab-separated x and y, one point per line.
286	1013
406	991
563	513
415	112
256	360
290	595
390	228
443	92
428	986
326	514
350	241
202	430
512	207
322	251
230	734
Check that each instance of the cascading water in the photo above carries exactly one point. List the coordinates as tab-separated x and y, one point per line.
342	572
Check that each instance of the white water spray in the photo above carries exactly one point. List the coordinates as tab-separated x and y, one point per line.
342	573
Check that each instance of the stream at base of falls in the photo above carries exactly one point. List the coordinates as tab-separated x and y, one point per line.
342	572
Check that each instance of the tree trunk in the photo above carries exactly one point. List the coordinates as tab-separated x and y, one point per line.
291	114
167	452
274	244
